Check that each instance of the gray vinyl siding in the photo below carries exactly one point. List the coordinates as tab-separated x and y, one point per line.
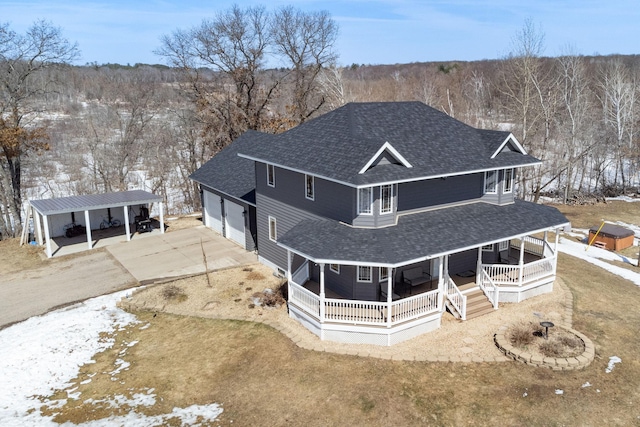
331	200
286	217
463	261
418	195
342	284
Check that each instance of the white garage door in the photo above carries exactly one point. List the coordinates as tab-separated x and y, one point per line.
212	211
234	222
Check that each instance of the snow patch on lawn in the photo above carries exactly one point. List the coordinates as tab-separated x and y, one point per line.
44	354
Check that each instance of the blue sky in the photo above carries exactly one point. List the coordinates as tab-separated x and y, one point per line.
371	32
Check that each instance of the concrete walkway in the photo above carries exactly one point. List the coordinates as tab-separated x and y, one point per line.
119	266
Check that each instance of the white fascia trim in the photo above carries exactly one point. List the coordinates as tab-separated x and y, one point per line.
398	181
386	147
515	142
422	258
226	194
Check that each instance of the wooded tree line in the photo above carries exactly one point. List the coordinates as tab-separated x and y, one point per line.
68	130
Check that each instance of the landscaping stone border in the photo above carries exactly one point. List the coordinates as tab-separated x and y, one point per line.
555	363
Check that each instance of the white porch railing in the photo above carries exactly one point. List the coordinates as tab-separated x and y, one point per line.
364	312
305	299
456	298
516	275
489	289
533	245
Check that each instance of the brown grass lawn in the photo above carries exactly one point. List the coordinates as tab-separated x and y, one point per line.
262	378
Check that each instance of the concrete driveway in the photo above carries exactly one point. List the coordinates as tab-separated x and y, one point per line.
123	265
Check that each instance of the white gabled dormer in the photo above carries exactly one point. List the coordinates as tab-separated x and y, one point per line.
509	144
382	155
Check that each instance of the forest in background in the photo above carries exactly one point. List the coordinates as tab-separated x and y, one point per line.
100	128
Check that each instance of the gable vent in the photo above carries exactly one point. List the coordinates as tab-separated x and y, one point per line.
386	154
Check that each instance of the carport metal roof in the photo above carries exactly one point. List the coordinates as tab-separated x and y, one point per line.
93	201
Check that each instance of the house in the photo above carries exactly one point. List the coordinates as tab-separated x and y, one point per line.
384	215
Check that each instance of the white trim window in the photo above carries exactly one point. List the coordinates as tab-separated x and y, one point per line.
386	198
383	275
271	175
490	182
487	248
365	200
309	185
364	273
335	268
508	181
504	245
273	229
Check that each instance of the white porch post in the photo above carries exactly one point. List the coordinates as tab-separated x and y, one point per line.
46	235
127	229
441	287
521	261
389	297
88	225
321	265
555	250
36	221
161	218
479	266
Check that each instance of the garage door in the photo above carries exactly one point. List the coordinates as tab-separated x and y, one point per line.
234	222
212	211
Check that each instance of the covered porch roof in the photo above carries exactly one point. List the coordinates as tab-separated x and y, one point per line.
420	236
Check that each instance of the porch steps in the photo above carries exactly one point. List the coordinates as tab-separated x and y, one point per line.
477	303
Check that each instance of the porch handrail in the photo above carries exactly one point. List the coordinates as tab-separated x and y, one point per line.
301	275
455	297
375	313
489	289
305	299
533	245
502	274
547	248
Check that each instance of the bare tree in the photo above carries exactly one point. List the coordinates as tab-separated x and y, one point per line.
22	58
306	40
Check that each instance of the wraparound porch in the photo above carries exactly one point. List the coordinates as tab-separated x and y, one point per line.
339	318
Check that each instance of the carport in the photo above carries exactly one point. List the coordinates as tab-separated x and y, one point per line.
91	203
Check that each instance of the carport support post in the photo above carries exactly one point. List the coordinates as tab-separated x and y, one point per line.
127	229
46	235
161	218
36	222
322	296
87	223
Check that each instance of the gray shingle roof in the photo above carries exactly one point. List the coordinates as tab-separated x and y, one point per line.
229	173
93	201
338	145
420	235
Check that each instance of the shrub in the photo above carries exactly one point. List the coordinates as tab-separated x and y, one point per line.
552	348
522	335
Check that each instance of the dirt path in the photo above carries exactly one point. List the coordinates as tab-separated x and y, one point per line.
36	291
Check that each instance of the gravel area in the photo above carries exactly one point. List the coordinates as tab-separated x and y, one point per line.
229	295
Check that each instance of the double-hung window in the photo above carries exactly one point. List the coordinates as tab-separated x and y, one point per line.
365	200
490	182
364	274
386	199
383	274
273	229
508	181
309	184
271	175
